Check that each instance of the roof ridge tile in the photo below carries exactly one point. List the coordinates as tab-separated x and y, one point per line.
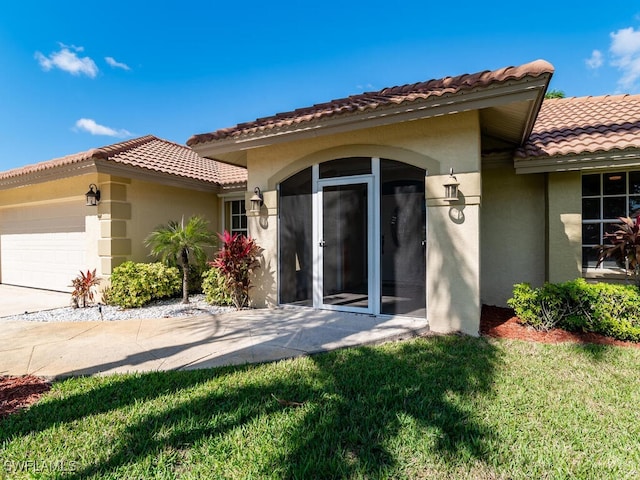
387	96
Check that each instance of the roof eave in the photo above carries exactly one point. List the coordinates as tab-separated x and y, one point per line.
530	88
585	161
52	173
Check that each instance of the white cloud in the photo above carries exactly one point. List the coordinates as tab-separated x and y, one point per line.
625	49
115	64
68	61
72	47
625	42
89	125
595	61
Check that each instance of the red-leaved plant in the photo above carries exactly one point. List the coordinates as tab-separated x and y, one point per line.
236	260
82	288
624	246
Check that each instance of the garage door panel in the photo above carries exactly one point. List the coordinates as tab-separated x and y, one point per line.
62	217
42	260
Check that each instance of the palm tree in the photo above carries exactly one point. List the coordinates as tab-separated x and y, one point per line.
182	243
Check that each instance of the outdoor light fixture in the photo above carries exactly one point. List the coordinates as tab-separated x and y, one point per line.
93	195
451	188
256	201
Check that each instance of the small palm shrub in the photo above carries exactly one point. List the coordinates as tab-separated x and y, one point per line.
236	260
609	309
83	286
624	246
214	287
184	244
136	284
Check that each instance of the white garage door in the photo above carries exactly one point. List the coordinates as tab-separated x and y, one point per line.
42	260
42	247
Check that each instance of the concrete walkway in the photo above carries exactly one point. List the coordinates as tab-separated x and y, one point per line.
56	350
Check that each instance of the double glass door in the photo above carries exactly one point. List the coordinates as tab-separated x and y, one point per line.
354	240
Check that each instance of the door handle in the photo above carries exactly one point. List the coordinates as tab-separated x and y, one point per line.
321	243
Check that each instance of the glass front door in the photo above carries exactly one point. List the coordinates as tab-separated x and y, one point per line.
345	245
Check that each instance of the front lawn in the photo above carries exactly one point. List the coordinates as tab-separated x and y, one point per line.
439	407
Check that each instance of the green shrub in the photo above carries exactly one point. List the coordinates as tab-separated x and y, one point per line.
617	311
136	284
608	309
525	302
214	287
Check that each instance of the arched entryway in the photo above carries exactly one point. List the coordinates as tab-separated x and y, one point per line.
352	237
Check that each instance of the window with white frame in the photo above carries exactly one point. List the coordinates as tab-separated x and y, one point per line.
235	216
605	197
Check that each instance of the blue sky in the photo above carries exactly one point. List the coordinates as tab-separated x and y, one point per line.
76	75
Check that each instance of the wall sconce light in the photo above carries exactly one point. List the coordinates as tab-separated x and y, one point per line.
93	195
256	200
451	188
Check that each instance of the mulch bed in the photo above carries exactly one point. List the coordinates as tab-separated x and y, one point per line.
17	393
501	322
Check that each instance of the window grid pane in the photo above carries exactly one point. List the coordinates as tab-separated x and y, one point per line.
605	197
614	183
237	221
590	185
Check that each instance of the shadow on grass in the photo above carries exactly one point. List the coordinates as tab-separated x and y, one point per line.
355	402
431	384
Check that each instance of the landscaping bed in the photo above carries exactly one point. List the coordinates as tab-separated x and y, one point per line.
17	393
498	322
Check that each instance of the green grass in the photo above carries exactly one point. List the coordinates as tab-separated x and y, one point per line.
443	407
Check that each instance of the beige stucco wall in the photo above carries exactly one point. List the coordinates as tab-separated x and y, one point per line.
512	232
565	226
69	188
453	271
436	145
261	227
453	255
153	205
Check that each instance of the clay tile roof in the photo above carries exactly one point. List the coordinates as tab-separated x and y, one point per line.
376	100
584	125
149	153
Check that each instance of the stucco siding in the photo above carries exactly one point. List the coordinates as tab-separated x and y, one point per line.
453	283
153	205
435	144
512	232
63	189
565	226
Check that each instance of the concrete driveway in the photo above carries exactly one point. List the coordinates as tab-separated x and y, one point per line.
18	300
